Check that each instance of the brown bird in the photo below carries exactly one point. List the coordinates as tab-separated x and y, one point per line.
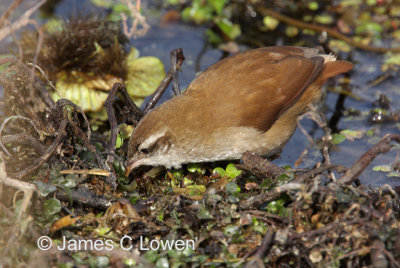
247	102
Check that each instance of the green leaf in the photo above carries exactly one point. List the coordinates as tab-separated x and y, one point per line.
54	25
125	130
151	255
213	37
103	3
396	35
313	6
339	45
196	167
119	142
233	199
370	132
187	181
121	8
70	181
220	171
347	3
162	263
276	207
338	138
196	190
160	216
382	168
44	188
393	174
102	261
144	76
285	177
178	173
291	31
79	93
370	27
231	230
130	262
197	13
232	188
227	27
232	171
218	5
203	213
352	134
324	19
393	59
270	22
51	206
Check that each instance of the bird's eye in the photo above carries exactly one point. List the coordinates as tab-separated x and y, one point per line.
145	151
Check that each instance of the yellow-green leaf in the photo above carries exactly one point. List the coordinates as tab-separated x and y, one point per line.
270	22
338	138
382	168
80	94
291	31
144	76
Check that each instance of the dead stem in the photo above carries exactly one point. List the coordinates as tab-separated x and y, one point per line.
274	194
358	167
177	59
139	20
9	11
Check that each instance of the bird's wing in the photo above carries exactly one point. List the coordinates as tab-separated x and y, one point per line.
254	88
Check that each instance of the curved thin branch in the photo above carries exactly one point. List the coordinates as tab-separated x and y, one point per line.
9	11
24	138
5	122
21	21
358	167
49	152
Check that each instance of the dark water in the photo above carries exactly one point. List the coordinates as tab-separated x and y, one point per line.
160	40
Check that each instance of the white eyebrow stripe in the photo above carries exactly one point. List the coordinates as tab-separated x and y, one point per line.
151	140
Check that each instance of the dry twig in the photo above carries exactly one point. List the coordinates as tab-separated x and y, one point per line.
381	147
274	194
9	11
21	21
139	20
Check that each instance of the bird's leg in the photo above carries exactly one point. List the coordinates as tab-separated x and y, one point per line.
177	59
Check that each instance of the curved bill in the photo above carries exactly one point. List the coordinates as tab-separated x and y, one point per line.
132	164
